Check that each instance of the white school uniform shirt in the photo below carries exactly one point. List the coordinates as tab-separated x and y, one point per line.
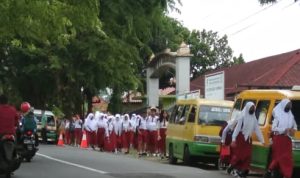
126	125
163	124
152	123
101	121
133	122
78	123
109	128
67	125
247	124
283	120
141	123
91	123
118	125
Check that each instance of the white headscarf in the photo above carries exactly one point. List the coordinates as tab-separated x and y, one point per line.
90	116
286	119
117	117
98	115
90	122
126	116
249	120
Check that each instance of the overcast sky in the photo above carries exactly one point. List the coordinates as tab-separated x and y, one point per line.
255	31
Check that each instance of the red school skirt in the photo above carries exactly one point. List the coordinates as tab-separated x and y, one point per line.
282	157
241	154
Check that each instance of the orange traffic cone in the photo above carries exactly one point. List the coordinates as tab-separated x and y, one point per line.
60	140
84	141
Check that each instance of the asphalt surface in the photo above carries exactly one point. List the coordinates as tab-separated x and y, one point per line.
54	162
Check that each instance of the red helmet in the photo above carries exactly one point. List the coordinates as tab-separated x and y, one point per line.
25	106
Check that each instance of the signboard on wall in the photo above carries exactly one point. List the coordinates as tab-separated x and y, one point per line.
189	95
215	86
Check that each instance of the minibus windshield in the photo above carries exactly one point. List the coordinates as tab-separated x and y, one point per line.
213	115
50	120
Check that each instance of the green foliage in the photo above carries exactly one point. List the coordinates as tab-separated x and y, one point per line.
50	49
210	52
58	112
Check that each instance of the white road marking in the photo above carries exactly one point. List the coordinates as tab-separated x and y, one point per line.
72	164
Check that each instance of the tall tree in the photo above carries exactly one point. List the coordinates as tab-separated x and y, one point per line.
210	52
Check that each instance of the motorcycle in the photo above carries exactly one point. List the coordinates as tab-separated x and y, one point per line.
28	146
9	158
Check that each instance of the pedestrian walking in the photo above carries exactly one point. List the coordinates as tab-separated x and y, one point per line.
142	134
90	126
283	128
67	132
118	131
101	124
72	131
134	139
226	138
152	127
126	134
242	141
78	130
110	140
162	128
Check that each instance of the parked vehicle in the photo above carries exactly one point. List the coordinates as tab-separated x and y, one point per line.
9	159
193	130
265	101
52	130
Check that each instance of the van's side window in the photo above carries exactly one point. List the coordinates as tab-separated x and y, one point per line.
237	104
184	114
192	114
179	114
262	111
173	114
246	101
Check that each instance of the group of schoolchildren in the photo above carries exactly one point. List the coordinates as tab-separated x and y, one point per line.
120	133
236	148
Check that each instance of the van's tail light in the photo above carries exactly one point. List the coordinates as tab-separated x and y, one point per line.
29	133
198	138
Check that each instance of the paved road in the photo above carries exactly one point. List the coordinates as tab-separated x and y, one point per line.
55	162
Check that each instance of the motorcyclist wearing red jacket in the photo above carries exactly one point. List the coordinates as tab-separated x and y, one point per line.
9	119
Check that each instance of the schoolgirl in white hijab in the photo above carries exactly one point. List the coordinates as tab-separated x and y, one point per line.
283	128
247	124
241	140
90	123
118	132
118	125
90	126
284	121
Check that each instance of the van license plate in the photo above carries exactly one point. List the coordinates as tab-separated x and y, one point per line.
29	147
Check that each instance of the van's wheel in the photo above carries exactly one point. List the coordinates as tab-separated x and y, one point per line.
186	156
28	159
172	159
8	175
